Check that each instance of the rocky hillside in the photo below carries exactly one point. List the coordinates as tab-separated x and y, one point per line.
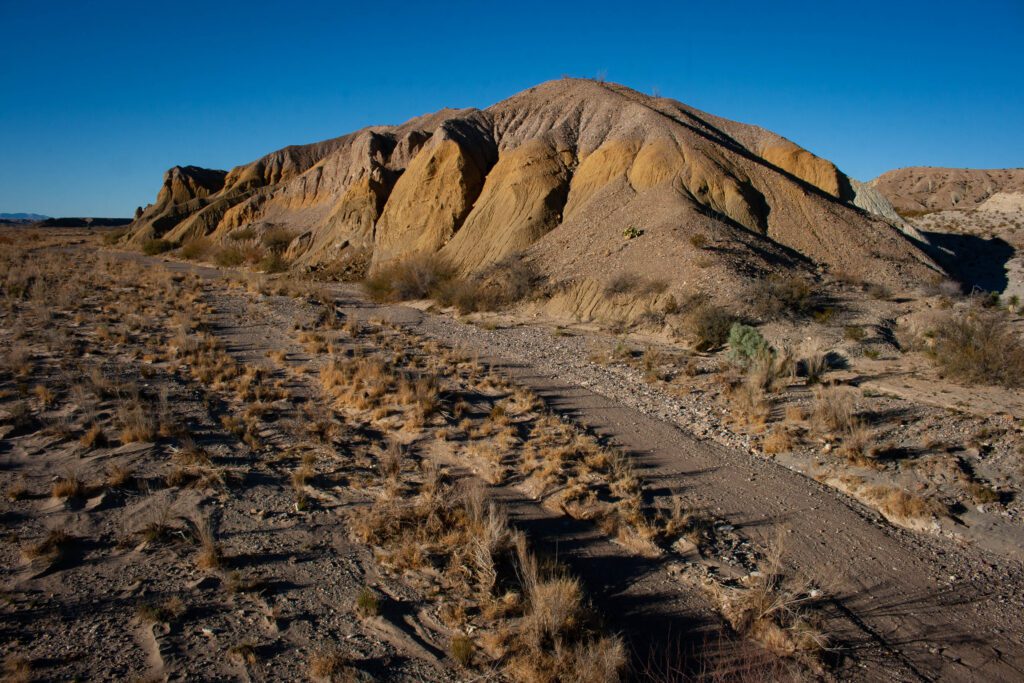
921	189
588	179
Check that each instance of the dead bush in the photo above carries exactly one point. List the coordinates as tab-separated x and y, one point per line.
978	346
416	277
783	295
509	281
708	325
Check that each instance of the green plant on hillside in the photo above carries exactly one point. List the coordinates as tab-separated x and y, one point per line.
746	344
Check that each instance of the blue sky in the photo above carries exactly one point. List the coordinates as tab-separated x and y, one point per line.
99	98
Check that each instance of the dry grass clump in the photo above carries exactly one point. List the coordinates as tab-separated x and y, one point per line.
417	277
774	609
53	548
68	486
94	437
778	441
509	281
834	409
16	669
332	665
137	423
152	247
632	283
897	503
210	555
978	346
161	613
196	249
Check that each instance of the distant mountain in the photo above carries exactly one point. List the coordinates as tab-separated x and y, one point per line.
22	217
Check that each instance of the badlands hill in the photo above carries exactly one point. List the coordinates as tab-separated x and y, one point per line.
923	188
559	172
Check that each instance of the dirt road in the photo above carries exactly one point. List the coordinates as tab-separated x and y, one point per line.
906	606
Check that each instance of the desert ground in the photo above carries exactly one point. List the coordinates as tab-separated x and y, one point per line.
215	472
588	385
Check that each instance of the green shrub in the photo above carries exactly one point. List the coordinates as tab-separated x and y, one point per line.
152	247
746	343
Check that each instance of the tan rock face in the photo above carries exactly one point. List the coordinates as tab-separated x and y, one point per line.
557	172
521	200
429	203
812	169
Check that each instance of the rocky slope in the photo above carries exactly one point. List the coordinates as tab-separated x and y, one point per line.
923	188
560	172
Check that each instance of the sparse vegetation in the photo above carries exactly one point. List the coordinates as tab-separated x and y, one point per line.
977	346
418	277
152	247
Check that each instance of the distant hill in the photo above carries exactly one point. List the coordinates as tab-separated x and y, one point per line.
75	222
920	189
22	217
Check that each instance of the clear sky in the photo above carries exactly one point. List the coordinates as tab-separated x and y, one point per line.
99	98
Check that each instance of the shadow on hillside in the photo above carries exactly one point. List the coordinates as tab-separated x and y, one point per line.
975	262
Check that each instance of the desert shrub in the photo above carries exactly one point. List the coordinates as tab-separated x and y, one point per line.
195	248
229	256
978	346
783	295
277	239
243	234
273	263
623	283
112	237
708	325
631	283
699	240
746	343
854	332
502	284
416	277
152	247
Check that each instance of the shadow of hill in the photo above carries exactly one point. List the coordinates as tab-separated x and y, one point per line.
976	262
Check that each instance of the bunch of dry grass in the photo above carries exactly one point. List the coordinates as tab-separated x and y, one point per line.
137	422
774	609
52	549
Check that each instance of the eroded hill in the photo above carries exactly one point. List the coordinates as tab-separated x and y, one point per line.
560	172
